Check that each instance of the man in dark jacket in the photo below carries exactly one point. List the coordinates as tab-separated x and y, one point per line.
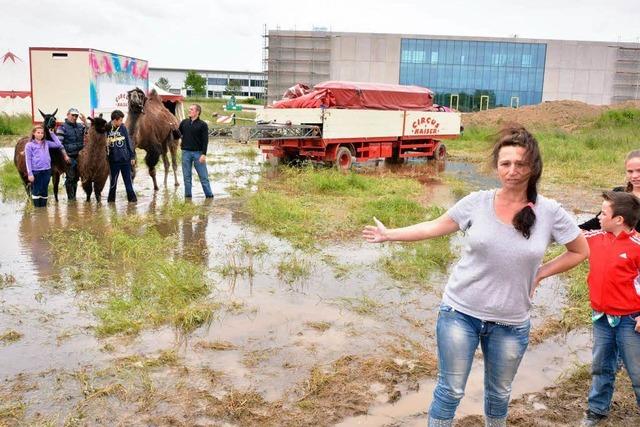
121	156
71	134
195	139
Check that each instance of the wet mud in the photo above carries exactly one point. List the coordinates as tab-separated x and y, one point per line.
280	341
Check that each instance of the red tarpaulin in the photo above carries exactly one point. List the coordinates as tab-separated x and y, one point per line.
360	95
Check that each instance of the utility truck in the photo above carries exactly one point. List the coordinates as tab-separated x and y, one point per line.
342	122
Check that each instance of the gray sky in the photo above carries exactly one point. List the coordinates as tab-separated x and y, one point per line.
227	34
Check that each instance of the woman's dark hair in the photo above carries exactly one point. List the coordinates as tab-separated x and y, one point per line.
516	135
632	155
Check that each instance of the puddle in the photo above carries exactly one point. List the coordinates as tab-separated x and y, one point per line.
541	367
267	320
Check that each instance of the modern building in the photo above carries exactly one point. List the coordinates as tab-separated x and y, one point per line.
468	73
251	83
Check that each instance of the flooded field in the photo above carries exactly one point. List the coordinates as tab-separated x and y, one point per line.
271	334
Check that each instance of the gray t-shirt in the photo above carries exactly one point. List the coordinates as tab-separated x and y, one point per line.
493	278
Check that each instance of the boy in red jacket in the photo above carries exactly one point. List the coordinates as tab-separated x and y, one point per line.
614	291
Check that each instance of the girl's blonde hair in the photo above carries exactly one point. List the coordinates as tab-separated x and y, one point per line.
33	131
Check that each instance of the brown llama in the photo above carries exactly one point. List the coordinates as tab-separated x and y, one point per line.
154	129
93	165
58	164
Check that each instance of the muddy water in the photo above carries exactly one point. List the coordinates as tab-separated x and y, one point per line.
540	368
267	319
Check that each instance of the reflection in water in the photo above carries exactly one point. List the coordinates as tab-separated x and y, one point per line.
34	225
193	242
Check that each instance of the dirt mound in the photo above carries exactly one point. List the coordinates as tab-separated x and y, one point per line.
567	115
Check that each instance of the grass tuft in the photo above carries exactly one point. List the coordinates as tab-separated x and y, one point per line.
11	186
308	206
10	336
19	124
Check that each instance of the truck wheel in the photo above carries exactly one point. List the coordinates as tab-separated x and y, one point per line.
440	153
344	160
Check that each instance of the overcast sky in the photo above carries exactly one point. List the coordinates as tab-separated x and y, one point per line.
227	34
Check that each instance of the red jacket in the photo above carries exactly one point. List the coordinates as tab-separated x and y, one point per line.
614	275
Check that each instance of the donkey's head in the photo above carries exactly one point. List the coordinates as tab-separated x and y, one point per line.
136	99
48	120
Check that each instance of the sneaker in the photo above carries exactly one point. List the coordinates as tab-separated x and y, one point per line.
209	197
592	418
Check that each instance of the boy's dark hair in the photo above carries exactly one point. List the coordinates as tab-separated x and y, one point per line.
625	205
117	114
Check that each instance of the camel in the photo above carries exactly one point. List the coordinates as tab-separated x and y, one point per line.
154	129
93	165
58	164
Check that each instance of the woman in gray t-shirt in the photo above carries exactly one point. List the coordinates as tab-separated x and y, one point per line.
488	295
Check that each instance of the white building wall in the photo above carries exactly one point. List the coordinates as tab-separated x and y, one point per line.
177	77
365	57
581	71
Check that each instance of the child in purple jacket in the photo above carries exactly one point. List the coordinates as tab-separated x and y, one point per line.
38	161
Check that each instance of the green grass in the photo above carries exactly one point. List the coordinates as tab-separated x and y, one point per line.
363	305
413	263
210	106
588	157
11	186
15	125
135	276
577	310
310	206
163	292
294	269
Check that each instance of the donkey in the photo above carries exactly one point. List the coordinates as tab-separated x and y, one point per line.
154	129
93	165
58	164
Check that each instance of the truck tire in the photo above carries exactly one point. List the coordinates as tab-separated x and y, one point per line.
440	152
344	159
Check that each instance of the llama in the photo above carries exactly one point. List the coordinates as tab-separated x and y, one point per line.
58	164
93	165
154	129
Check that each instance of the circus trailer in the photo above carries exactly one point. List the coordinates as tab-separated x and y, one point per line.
344	122
90	80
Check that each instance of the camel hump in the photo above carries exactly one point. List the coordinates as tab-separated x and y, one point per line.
153	95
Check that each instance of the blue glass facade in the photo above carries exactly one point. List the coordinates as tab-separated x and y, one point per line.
471	69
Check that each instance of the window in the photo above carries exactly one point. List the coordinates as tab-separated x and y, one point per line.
217	81
499	70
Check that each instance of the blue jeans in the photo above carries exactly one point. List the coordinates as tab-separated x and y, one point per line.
607	343
40	187
116	169
458	336
191	158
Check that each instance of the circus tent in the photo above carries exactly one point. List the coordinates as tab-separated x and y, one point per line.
173	102
15	90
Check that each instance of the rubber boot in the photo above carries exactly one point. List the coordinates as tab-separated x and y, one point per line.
434	422
495	422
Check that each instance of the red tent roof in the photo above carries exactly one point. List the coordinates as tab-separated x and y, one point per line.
14	94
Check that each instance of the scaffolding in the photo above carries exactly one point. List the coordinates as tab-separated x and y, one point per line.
301	57
626	81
